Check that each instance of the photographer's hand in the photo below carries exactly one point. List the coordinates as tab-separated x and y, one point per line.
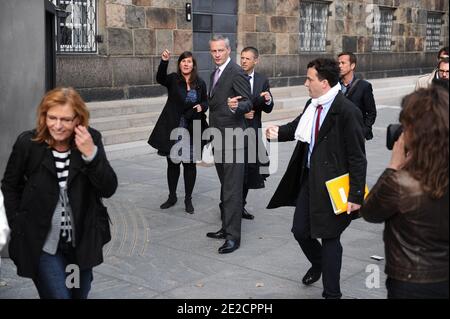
398	157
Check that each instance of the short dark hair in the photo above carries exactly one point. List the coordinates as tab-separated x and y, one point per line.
327	69
442	50
252	50
351	56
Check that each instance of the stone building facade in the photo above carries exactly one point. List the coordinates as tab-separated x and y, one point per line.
390	38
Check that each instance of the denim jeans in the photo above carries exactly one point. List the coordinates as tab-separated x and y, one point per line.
408	290
52	275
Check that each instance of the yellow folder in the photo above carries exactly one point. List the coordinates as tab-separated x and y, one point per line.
338	189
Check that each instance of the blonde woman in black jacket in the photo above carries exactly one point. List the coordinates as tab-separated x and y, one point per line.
53	184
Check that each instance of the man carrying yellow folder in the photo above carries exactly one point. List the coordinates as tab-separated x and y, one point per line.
330	144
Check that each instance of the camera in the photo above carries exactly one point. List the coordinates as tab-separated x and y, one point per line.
393	133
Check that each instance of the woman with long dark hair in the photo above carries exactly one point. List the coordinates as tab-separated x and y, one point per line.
185	107
411	197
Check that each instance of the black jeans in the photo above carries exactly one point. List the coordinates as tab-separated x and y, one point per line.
409	290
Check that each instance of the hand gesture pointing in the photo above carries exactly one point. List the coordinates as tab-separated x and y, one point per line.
165	56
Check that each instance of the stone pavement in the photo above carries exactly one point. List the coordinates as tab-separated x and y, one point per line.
164	254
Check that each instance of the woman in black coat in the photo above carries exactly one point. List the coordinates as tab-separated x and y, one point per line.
53	184
185	108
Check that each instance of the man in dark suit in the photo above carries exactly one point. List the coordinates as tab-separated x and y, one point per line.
262	101
358	91
228	81
331	143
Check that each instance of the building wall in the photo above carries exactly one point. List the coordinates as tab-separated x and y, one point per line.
136	31
22	69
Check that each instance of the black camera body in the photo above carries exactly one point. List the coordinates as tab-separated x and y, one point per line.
393	133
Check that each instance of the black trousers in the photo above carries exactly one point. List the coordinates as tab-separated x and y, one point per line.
173	174
325	257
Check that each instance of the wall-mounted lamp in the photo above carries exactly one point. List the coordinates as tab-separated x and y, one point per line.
188	12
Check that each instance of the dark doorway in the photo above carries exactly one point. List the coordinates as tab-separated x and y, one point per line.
212	17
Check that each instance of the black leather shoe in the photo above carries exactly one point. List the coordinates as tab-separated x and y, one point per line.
311	277
246	214
168	203
188	206
217	235
229	246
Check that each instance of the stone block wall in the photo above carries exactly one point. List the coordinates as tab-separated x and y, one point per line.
135	32
273	27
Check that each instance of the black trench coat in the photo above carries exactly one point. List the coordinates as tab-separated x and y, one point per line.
175	107
31	191
339	150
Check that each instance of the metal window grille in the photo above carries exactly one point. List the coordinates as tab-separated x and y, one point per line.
313	26
76	26
434	23
382	29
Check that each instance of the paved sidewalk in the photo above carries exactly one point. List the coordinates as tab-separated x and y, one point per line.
165	253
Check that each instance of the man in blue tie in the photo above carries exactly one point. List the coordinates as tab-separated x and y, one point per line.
330	144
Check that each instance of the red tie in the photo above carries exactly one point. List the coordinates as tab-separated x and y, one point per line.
316	128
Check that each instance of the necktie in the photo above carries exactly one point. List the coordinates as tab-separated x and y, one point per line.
249	77
216	78
317	126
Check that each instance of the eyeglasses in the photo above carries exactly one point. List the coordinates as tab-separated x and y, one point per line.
64	120
443	71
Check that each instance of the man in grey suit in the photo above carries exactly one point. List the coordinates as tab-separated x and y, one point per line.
228	80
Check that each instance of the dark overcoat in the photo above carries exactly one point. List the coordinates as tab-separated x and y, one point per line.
176	107
254	178
339	150
31	192
361	94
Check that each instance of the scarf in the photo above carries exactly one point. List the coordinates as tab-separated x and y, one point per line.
304	128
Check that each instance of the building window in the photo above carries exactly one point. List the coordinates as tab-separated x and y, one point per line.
313	26
434	23
76	26
382	29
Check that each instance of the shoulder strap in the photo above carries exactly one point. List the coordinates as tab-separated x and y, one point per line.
352	88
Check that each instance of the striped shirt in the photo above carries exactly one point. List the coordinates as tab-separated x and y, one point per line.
62	162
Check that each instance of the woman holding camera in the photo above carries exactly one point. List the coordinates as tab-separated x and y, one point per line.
411	197
186	102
